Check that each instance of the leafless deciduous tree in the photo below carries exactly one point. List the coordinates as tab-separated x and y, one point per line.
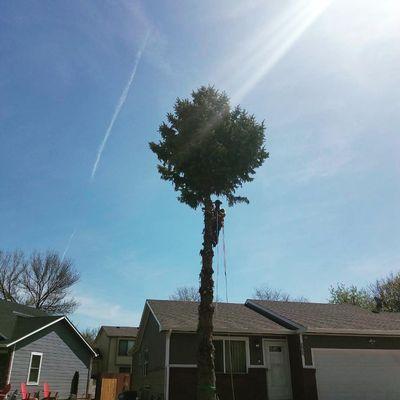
90	334
12	267
42	280
186	293
267	293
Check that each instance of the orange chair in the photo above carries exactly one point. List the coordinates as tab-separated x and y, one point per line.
24	392
47	392
25	395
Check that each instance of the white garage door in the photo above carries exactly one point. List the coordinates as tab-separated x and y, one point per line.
357	374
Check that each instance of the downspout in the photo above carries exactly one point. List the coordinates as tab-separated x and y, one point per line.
10	366
167	347
303	359
302	350
89	376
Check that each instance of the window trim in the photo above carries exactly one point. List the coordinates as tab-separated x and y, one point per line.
231	339
33	383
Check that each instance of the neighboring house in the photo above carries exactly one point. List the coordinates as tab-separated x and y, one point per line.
271	350
114	344
36	348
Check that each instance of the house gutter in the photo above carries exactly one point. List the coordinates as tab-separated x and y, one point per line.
273	316
10	366
89	377
167	365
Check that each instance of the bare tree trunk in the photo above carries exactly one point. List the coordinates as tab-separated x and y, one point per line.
205	356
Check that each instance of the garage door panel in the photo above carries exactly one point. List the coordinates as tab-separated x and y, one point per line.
344	374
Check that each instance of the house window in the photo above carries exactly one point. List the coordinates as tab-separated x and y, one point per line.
230	356
35	365
235	356
124	346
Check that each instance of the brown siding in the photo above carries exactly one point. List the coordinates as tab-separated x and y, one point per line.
256	350
304	386
296	367
183	348
310	384
154	341
251	386
347	342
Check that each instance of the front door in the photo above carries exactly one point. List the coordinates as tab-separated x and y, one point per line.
276	357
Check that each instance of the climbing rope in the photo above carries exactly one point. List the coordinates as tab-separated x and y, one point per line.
218	262
227	301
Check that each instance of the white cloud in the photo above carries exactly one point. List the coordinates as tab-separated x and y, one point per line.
93	311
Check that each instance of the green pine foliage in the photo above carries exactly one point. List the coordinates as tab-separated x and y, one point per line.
207	148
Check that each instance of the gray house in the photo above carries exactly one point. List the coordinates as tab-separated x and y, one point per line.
36	348
271	350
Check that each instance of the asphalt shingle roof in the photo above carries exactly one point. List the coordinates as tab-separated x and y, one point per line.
332	317
11	315
120	331
228	318
18	321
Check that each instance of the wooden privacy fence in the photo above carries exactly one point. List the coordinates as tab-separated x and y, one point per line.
109	386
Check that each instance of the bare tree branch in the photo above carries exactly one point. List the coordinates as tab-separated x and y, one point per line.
186	293
12	267
47	280
267	293
42	281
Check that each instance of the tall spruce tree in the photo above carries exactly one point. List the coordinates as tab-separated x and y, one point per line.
208	150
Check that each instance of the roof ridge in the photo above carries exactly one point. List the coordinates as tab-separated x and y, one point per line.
192	302
307	303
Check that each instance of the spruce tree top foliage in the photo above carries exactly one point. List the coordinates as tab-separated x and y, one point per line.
208	149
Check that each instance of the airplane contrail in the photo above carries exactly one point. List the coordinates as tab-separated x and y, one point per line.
68	244
119	106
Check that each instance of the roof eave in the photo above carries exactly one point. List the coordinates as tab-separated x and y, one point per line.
276	317
48	325
358	332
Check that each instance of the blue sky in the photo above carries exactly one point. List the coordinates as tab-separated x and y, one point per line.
322	74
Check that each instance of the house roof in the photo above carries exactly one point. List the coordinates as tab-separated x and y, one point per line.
10	313
328	318
18	322
182	316
120	331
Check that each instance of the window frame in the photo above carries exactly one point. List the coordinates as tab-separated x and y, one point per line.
231	339
33	383
127	348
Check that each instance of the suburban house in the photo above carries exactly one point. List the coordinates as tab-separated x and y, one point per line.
37	348
270	350
114	345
